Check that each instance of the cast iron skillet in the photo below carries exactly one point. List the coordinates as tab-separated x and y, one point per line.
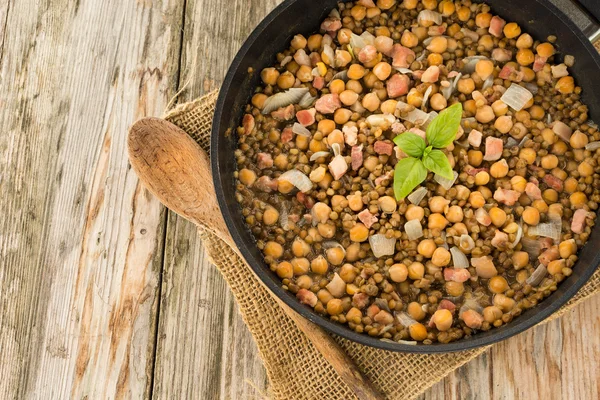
537	17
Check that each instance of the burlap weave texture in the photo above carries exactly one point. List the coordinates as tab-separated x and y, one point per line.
294	367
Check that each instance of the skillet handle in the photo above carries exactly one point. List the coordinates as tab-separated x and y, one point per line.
177	171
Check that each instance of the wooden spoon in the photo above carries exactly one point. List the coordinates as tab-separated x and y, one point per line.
177	171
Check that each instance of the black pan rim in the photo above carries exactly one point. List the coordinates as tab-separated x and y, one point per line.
511	329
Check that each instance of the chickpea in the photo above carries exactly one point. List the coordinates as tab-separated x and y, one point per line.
442	319
482	178
524	41
556	267
299	42
342	115
499	169
549	161
485	114
318	174
335	307
285	270
324	296
285	187
484	68
499	107
454	289
416	271
571	185
314	42
247	177
503	302
476	199
531	216
355	202
498	284
382	70
286	80
319	266
354	315
415	310
578	199
300	266
578	140
386	4
389	106
567	248
335	255
550	195
438	102
414	212
304	282
326	126
559	148
475	157
371	102
258	100
585	169
466	85
337	86
384	44
487	42
528	154
359	233
270	216
426	248
417	331
565	85
321	212
454	214
541	205
300	248
512	30
463	13
518	183
520	259
269	76
498	216
491	314
409	39
414	98
437	204
482	20
503	124
545	50
348	97
356	71
438	44
398	273
441	257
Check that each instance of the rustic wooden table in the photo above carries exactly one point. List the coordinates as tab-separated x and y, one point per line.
103	293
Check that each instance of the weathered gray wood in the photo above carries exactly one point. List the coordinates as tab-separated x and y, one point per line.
201	334
80	239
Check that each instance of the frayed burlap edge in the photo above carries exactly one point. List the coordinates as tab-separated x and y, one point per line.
294	367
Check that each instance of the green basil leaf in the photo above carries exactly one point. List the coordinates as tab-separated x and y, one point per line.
427	151
408	174
411	144
442	130
437	162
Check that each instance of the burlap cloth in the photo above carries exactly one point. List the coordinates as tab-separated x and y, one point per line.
294	367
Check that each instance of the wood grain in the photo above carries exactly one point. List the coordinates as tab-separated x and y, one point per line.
228	366
80	239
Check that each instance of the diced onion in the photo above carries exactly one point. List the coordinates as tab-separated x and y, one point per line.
343	75
532	87
426	96
382	246
518	238
416	116
382	304
470	63
286	60
445	243
357	42
516	97
538	275
413	229
430	16
418	195
404	70
474	36
562	130
307	100
488	83
446	183
298	179
470	304
449	90
466	242
459	259
524	140
427	41
377	120
336	149
319	154
284	219
531	246
283	99
328	51
592	146
405	320
368	37
301	130
549	229
337	286
407	342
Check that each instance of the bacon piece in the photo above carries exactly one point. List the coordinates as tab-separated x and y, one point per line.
549	255
367	218
506	196
350	134
360	300
264	160
248	124
457	274
266	184
493	149
500	240
483	217
382	147
578	223
287	134
402	56
397	85
496	26
472	319
284	113
338	167
431	74
539	63
367	54
446	304
328	103
475	138
305	200
506	72
319	82
307	297
331	24
553	182
302	58
306	117
373	310
501	55
474	171
533	191
398	128
419	132
357	157
379	180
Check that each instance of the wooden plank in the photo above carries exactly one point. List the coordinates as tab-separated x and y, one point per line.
80	239
204	350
